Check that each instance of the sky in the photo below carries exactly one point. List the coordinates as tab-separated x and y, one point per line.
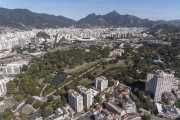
77	9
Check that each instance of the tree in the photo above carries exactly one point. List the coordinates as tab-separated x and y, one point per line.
50	98
24	117
24	67
147	117
47	111
177	104
11	86
7	115
147	103
141	95
1	99
36	105
19	98
44	105
30	100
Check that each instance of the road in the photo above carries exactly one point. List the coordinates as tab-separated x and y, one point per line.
74	79
43	90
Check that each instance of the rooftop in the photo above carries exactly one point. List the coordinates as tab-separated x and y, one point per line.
101	78
83	89
74	93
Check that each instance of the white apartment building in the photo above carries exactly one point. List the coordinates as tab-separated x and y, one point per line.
13	68
3	82
158	83
75	100
87	95
101	83
3	88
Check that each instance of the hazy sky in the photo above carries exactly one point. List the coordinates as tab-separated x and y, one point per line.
76	9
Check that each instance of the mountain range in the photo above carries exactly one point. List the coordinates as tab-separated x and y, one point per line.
25	19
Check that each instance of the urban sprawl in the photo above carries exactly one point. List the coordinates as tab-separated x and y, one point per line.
113	74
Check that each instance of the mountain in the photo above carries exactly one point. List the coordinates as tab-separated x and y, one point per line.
163	29
114	19
23	18
174	22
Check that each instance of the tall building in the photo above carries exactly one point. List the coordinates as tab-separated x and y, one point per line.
101	83
3	82
75	100
87	95
3	88
158	83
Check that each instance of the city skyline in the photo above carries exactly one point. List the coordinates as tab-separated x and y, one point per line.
153	10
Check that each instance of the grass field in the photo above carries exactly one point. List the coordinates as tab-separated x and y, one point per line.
101	70
85	67
86	82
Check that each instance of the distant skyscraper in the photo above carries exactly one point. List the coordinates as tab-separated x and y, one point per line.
101	83
159	83
75	100
87	95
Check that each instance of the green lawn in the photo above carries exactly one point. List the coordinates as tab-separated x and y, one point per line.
100	70
86	82
85	67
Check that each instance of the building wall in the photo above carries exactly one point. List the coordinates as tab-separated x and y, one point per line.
76	102
3	88
101	83
159	83
87	96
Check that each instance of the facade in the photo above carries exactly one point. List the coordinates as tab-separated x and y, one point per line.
159	83
60	114
87	95
101	83
75	100
13	68
112	107
116	52
167	111
34	41
3	82
3	88
129	106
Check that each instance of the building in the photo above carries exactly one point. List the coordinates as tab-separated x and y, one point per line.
13	68
87	95
101	83
129	106
158	83
116	52
3	82
3	88
60	114
75	100
167	111
112	107
34	41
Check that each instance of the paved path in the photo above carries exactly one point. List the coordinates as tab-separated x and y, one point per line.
74	79
43	90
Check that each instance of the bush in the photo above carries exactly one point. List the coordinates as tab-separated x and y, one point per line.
36	105
30	100
50	98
